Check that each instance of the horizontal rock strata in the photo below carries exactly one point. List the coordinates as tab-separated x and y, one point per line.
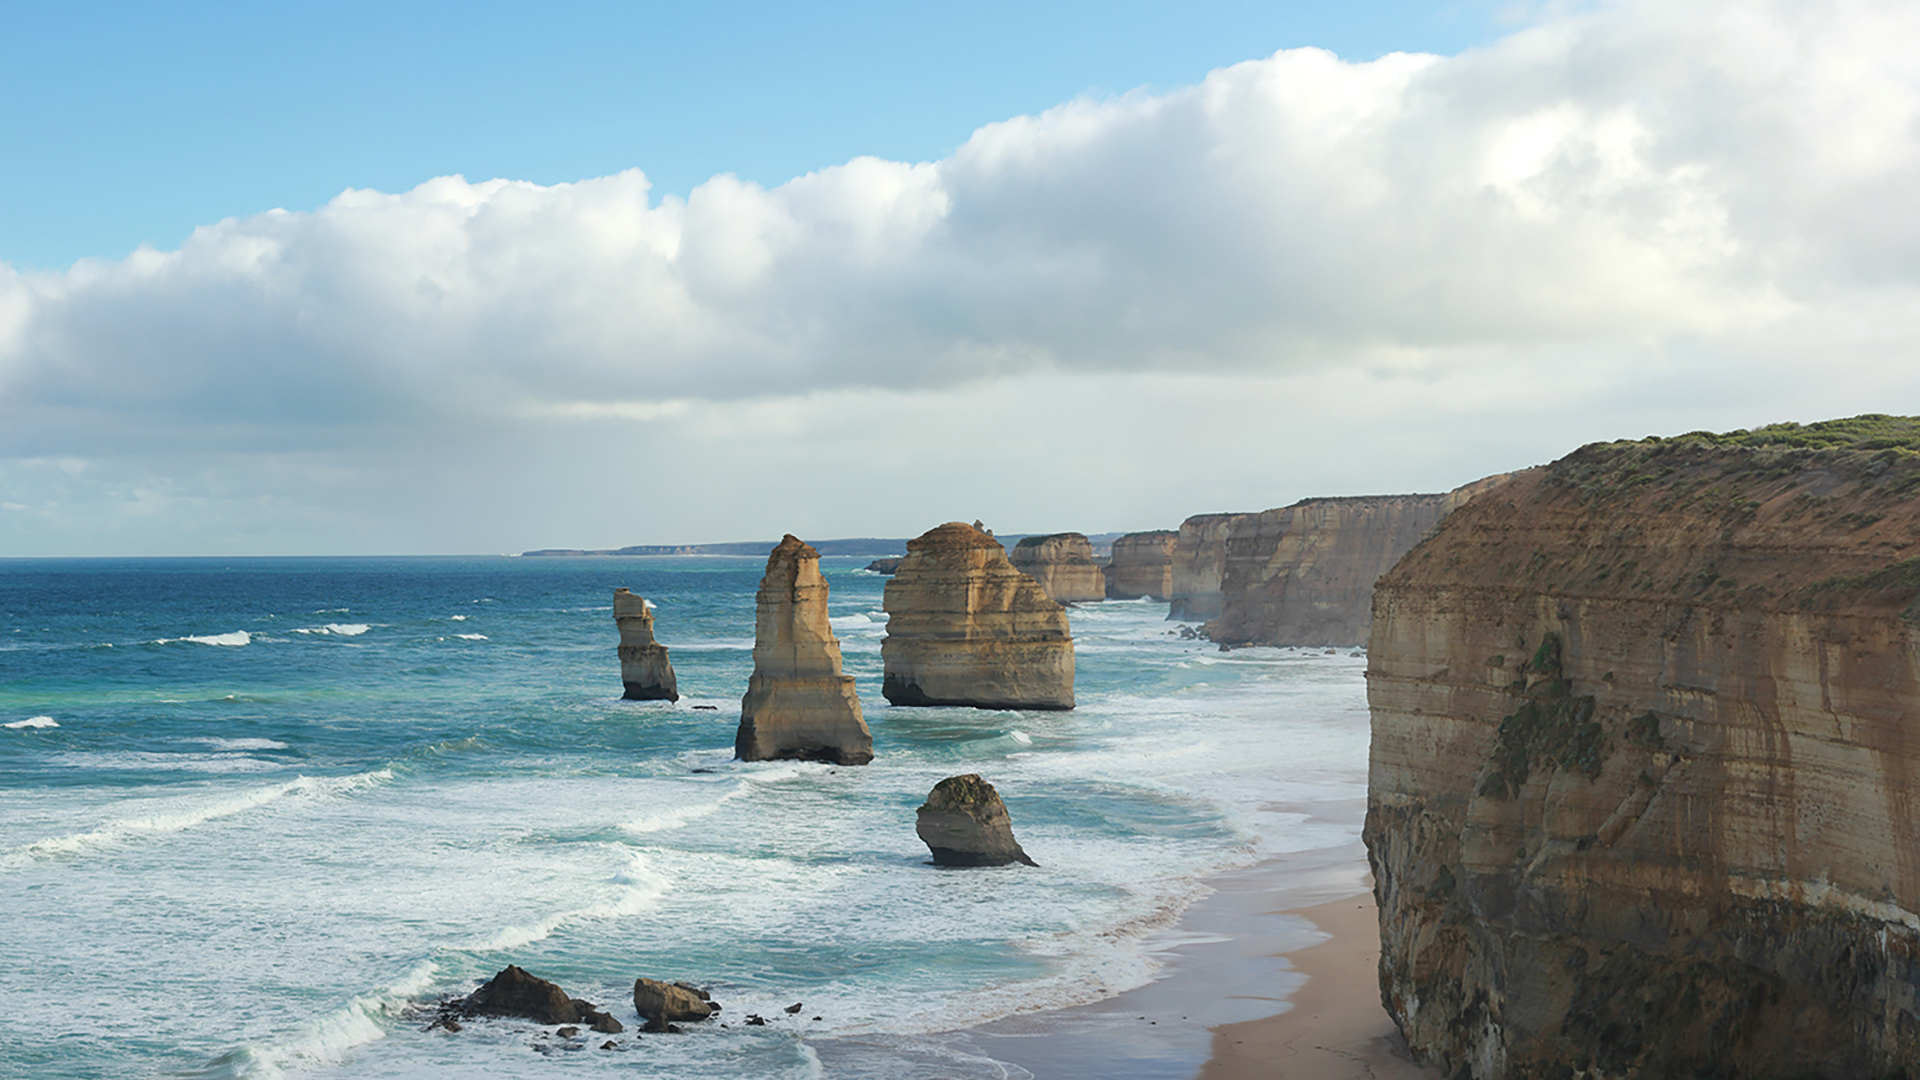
966	628
1063	565
1645	779
1198	563
798	704
1304	574
645	671
1142	566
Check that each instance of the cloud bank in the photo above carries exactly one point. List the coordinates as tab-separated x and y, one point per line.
1709	194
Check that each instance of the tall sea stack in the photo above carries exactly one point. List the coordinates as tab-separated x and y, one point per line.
1644	794
798	704
966	628
644	668
1142	565
1063	565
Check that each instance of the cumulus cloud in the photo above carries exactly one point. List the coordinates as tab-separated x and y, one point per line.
1645	175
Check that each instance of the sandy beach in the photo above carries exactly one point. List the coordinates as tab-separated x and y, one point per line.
1334	1028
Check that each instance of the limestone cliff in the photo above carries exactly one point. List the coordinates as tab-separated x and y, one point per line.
1063	565
1644	790
966	628
1304	574
798	704
1142	565
645	670
1199	559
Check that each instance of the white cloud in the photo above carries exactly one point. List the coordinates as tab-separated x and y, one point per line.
1705	180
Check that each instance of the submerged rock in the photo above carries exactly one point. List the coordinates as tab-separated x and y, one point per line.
1142	565
644	668
964	823
888	566
966	628
1063	565
798	704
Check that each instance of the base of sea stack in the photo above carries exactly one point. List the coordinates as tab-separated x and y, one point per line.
642	692
900	691
749	745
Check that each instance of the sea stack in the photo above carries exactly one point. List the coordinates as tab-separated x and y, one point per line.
798	704
1644	781
1199	561
966	628
644	667
1142	565
964	823
1063	565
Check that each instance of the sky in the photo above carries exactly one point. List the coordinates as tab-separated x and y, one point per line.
436	278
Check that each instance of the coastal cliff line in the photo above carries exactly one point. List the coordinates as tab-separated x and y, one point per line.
1644	786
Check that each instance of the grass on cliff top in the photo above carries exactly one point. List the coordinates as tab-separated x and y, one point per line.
1874	431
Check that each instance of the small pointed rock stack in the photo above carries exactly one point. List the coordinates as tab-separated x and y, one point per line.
798	704
966	628
1063	565
964	823
644	667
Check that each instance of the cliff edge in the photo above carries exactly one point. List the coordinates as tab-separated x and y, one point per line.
1644	789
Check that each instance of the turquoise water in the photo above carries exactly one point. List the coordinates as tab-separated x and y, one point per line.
255	813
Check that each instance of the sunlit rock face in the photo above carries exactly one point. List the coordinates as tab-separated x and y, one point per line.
1063	565
964	823
1644	788
1142	566
966	628
645	671
1198	563
1304	574
798	704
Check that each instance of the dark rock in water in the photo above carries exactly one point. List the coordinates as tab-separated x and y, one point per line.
756	1020
568	1032
600	1021
513	992
884	566
964	823
644	668
659	1002
609	1045
795	1007
708	708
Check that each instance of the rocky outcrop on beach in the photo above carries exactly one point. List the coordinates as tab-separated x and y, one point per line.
662	1003
1644	788
798	704
1198	562
1304	574
966	628
1063	565
964	823
1142	565
644	668
515	992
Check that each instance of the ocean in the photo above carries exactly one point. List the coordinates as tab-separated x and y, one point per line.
258	815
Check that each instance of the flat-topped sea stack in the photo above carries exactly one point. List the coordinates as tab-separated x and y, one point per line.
1304	574
1142	566
966	628
1199	561
798	704
1063	565
644	668
1644	793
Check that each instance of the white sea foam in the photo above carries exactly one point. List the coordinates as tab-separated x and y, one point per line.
243	744
633	889
182	814
457	618
328	1040
34	722
336	629
1020	737
471	637
233	639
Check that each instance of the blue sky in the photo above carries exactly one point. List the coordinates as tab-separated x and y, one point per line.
437	279
143	121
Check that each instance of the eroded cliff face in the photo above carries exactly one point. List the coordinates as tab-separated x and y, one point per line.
1199	559
645	671
1063	565
798	704
1645	773
1304	574
1142	565
966	628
